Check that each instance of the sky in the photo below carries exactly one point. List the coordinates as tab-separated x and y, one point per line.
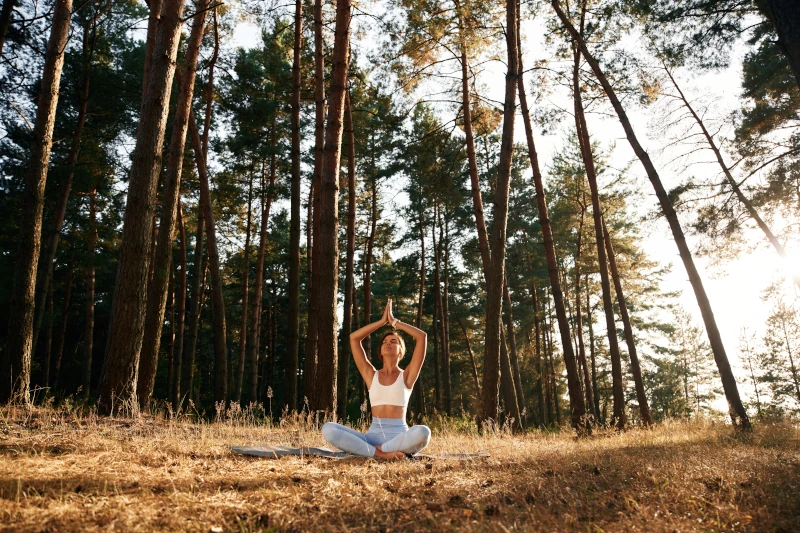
734	288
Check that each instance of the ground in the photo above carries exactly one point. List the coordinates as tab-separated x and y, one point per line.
61	471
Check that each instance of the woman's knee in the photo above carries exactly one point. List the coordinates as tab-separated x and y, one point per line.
423	434
329	431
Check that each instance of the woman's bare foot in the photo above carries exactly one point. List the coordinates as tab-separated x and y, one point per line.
388	456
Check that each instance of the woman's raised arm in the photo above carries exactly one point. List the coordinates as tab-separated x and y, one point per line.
365	368
420	347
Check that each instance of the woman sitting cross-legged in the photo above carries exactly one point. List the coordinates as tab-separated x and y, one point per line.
389	390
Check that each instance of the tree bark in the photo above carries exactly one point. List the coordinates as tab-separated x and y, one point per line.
255	318
312	346
419	396
162	266
349	281
472	160
588	390
217	300
748	205
367	284
785	16
180	323
620	418
15	373
445	242
539	366
512	351
471	359
590	318
494	277
737	411
48	344
171	338
126	330
51	245
327	345
88	334
198	273
153	20
444	367
636	369
507	383
58	349
293	336
577	407
237	387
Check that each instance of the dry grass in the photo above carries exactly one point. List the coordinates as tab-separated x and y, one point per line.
63	472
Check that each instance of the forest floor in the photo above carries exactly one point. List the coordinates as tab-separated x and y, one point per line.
60	471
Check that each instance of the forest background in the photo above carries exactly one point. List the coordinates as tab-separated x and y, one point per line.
413	178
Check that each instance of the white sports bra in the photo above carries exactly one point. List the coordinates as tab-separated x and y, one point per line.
395	394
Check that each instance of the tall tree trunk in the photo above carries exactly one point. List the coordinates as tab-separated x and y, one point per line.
5	21
437	384
293	336
588	389
539	366
312	346
62	330
198	273
237	387
153	20
494	277
88	334
267	195
51	245
636	369
748	205
785	17
162	266
180	322
48	342
327	345
217	300
171	339
620	418
445	242
551	352
444	368
15	373
362	386
512	351
367	284
590	320
349	281
545	372
471	359
507	383
126	330
737	411
472	160
577	407
419	396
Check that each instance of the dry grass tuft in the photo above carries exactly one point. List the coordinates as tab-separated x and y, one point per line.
63	472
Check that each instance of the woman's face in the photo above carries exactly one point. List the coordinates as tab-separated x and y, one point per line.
391	347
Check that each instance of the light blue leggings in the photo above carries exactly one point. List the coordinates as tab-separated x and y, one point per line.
391	434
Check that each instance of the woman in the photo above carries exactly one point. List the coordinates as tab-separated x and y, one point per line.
389	391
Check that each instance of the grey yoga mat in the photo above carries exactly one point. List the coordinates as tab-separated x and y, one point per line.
274	452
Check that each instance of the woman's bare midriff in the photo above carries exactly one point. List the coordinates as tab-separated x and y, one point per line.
389	411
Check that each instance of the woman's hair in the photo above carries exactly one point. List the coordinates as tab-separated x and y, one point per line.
399	339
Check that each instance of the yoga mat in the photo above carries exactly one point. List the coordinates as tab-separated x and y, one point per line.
274	452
